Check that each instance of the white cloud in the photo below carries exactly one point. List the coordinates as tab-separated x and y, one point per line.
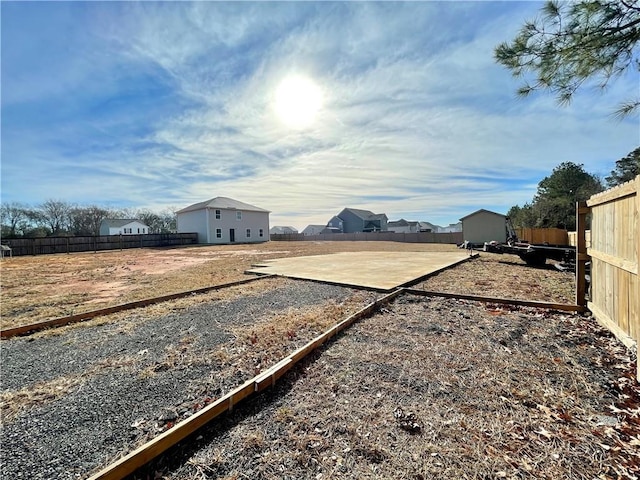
417	119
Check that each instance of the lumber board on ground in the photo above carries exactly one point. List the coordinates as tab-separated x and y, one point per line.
81	317
508	301
147	452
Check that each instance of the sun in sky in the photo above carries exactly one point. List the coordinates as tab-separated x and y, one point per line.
297	102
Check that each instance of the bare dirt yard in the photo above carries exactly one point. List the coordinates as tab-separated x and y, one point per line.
425	388
49	286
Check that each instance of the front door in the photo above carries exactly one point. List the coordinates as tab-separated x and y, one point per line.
232	235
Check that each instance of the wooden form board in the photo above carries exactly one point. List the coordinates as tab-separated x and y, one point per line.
615	254
81	317
150	450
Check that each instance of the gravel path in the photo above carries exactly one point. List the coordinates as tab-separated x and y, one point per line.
95	392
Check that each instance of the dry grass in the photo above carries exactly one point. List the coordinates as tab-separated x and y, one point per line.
505	276
442	389
48	286
427	388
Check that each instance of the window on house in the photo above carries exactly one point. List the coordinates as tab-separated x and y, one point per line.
239	215
218	214
248	232
218	233
138	230
261	233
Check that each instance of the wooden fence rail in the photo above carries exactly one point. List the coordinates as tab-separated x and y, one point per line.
614	252
48	245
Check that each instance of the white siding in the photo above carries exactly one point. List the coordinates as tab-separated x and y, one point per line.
124	230
196	221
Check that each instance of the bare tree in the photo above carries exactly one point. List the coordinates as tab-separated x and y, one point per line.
11	215
56	215
86	220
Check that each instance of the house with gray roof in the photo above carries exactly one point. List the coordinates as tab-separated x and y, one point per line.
313	229
403	226
352	220
123	226
223	220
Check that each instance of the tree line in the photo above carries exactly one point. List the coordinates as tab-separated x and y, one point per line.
61	218
554	204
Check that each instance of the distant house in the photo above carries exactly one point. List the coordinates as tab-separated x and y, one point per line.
403	226
452	228
428	227
484	226
335	225
276	230
125	226
223	220
352	220
313	229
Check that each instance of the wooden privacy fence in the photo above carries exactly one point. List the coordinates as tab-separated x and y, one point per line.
47	245
422	237
573	240
614	251
552	236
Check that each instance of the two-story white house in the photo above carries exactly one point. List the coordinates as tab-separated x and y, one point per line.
224	220
125	226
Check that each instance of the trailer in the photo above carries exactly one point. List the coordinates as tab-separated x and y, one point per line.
534	254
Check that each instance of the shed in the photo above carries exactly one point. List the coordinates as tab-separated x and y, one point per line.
484	226
223	220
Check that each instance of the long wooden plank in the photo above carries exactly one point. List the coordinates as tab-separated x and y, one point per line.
628	265
507	301
80	317
150	450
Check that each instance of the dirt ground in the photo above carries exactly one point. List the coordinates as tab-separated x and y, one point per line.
43	287
437	388
426	388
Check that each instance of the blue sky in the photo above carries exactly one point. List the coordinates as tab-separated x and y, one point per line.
164	104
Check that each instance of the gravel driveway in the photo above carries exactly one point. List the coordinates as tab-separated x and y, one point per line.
76	401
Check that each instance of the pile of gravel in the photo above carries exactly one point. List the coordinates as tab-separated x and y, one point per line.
106	407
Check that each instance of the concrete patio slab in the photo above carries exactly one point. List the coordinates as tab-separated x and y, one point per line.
379	270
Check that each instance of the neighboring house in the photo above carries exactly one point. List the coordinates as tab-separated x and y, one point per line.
484	226
452	228
403	226
428	227
282	230
126	226
354	220
335	225
223	220
313	229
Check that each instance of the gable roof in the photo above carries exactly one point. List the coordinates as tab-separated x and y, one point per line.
399	223
119	222
365	214
482	210
222	203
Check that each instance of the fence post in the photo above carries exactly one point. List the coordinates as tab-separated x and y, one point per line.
581	252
